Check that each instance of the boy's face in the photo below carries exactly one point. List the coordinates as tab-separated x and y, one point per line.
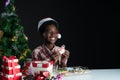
51	34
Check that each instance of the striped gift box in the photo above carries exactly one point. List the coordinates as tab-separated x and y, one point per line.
9	70
41	66
11	77
9	62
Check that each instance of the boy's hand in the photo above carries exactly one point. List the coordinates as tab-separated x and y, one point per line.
66	54
55	56
64	58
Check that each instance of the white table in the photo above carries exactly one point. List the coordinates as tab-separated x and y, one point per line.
96	74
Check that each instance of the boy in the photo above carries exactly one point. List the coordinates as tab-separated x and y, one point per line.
49	32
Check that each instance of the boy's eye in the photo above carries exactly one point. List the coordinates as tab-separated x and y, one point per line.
52	32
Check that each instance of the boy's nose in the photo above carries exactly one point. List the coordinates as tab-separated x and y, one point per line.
53	34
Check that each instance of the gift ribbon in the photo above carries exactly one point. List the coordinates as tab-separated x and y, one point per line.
14	71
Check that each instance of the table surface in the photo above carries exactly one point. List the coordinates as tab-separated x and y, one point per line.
96	74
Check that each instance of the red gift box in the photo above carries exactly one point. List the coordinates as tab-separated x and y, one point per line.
3	69
9	70
8	77
8	61
18	76
11	77
41	64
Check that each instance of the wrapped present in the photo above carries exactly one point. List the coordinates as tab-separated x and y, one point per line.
7	77
7	70
11	77
18	76
10	68
8	61
41	66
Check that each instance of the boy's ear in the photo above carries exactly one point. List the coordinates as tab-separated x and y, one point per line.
44	34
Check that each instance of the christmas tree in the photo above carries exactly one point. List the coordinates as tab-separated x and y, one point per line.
13	41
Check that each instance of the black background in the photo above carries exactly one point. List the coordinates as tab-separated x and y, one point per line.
90	29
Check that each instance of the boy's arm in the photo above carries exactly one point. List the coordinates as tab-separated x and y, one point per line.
36	55
66	54
55	56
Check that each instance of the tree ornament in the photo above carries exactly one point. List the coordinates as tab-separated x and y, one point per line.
15	48
23	54
7	3
13	8
26	38
7	14
14	38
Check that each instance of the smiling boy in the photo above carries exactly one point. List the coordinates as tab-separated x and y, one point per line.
49	32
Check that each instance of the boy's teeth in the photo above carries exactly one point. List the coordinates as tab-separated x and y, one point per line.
52	38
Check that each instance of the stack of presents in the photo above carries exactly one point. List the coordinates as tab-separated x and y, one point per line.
11	70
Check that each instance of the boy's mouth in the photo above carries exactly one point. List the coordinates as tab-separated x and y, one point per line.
52	38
